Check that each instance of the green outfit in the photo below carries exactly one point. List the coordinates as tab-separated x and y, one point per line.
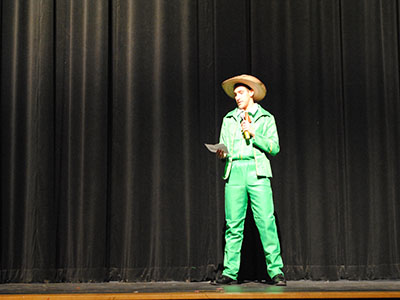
247	172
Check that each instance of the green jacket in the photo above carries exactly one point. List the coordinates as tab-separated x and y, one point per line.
265	141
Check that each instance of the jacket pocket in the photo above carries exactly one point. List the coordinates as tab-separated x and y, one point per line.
263	166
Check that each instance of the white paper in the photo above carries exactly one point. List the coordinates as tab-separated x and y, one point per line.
214	148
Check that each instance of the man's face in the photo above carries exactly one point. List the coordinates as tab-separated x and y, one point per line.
243	97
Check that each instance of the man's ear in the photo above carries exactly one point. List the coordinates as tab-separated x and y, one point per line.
251	93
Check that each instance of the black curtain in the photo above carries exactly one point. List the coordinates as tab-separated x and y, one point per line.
106	105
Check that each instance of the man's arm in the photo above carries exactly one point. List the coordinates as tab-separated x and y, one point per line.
266	137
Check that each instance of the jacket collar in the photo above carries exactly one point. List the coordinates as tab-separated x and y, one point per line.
252	111
260	112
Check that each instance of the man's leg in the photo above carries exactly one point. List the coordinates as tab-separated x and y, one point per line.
235	214
262	206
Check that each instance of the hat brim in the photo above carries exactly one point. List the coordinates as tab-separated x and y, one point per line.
256	85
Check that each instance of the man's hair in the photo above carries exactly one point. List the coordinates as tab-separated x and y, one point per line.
242	84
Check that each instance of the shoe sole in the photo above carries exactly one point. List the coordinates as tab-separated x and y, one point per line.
218	283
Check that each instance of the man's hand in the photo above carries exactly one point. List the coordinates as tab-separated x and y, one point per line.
246	126
221	154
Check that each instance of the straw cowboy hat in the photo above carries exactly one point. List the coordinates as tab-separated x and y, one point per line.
254	83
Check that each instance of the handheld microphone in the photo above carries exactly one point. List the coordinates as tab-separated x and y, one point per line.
247	118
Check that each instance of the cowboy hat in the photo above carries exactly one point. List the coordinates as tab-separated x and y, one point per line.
254	83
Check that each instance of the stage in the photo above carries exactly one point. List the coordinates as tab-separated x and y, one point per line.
302	289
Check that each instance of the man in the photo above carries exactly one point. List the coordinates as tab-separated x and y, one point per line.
247	173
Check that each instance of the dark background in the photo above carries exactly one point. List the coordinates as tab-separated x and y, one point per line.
106	105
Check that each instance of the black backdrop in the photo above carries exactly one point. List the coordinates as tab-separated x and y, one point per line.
105	106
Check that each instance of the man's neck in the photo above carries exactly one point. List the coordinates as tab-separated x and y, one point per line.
249	107
252	106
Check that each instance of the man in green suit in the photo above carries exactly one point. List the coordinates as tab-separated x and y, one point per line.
249	133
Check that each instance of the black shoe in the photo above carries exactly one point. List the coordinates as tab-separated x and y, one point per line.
225	280
279	280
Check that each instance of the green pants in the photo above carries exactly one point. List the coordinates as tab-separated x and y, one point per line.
242	182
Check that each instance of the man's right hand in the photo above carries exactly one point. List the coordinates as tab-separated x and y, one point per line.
221	154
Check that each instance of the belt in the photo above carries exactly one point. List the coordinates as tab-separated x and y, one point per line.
243	158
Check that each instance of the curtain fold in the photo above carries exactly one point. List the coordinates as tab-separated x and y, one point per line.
371	103
27	122
82	104
106	106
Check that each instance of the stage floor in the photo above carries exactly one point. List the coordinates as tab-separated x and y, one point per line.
341	289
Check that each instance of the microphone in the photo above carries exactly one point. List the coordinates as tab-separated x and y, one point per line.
247	118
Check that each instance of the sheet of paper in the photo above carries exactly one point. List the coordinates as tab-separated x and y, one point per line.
215	147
